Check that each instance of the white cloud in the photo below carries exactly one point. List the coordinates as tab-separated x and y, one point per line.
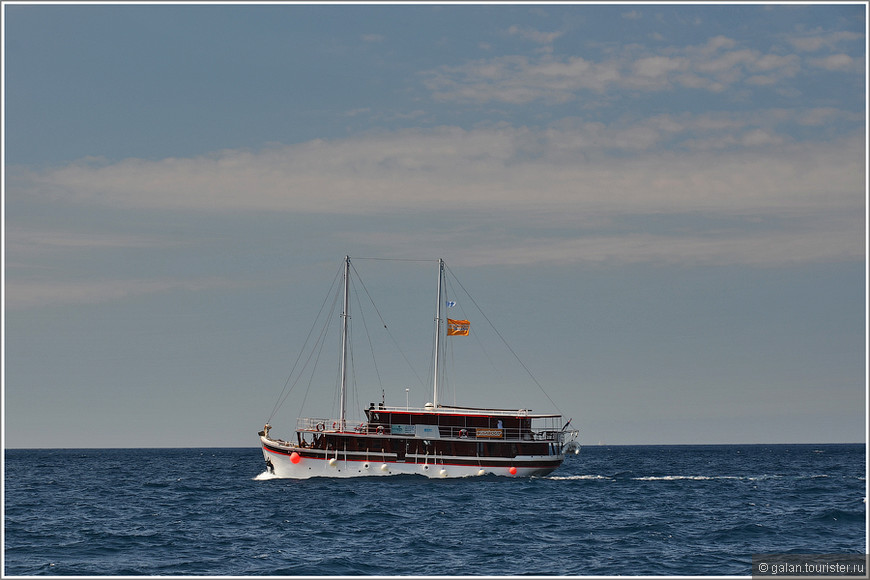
760	137
831	40
534	35
770	62
714	66
728	63
834	62
520	79
717	43
655	66
717	164
566	168
555	178
557	194
819	116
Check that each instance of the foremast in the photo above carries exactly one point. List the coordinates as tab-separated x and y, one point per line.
345	315
437	332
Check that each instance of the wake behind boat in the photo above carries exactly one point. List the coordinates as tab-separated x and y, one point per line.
434	440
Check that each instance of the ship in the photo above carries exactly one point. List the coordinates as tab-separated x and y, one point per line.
435	440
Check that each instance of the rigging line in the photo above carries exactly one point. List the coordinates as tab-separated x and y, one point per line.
503	340
476	335
352	369
336	392
450	371
321	340
395	260
354	378
381	318
281	396
368	336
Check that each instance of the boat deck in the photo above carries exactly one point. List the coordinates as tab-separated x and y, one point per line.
549	432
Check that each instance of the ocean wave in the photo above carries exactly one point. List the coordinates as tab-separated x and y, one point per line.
641	511
834	515
624	476
577	477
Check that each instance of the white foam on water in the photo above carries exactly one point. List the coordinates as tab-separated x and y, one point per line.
667	477
707	477
686	477
266	475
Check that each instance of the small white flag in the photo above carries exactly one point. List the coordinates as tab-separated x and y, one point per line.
451	304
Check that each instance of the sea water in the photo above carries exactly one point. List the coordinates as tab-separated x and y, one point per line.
610	510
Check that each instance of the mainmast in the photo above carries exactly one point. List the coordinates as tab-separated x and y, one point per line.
345	314
437	331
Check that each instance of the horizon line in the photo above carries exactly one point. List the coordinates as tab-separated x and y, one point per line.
581	446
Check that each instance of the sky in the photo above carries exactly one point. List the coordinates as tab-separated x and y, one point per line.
661	209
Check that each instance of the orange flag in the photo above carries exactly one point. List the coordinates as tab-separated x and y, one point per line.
457	327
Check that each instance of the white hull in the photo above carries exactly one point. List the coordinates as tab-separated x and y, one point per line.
281	466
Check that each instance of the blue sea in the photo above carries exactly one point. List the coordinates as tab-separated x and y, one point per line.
610	510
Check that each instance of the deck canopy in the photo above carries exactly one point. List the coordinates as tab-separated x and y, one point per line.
448	410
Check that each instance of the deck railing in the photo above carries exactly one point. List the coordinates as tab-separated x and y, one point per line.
313	424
